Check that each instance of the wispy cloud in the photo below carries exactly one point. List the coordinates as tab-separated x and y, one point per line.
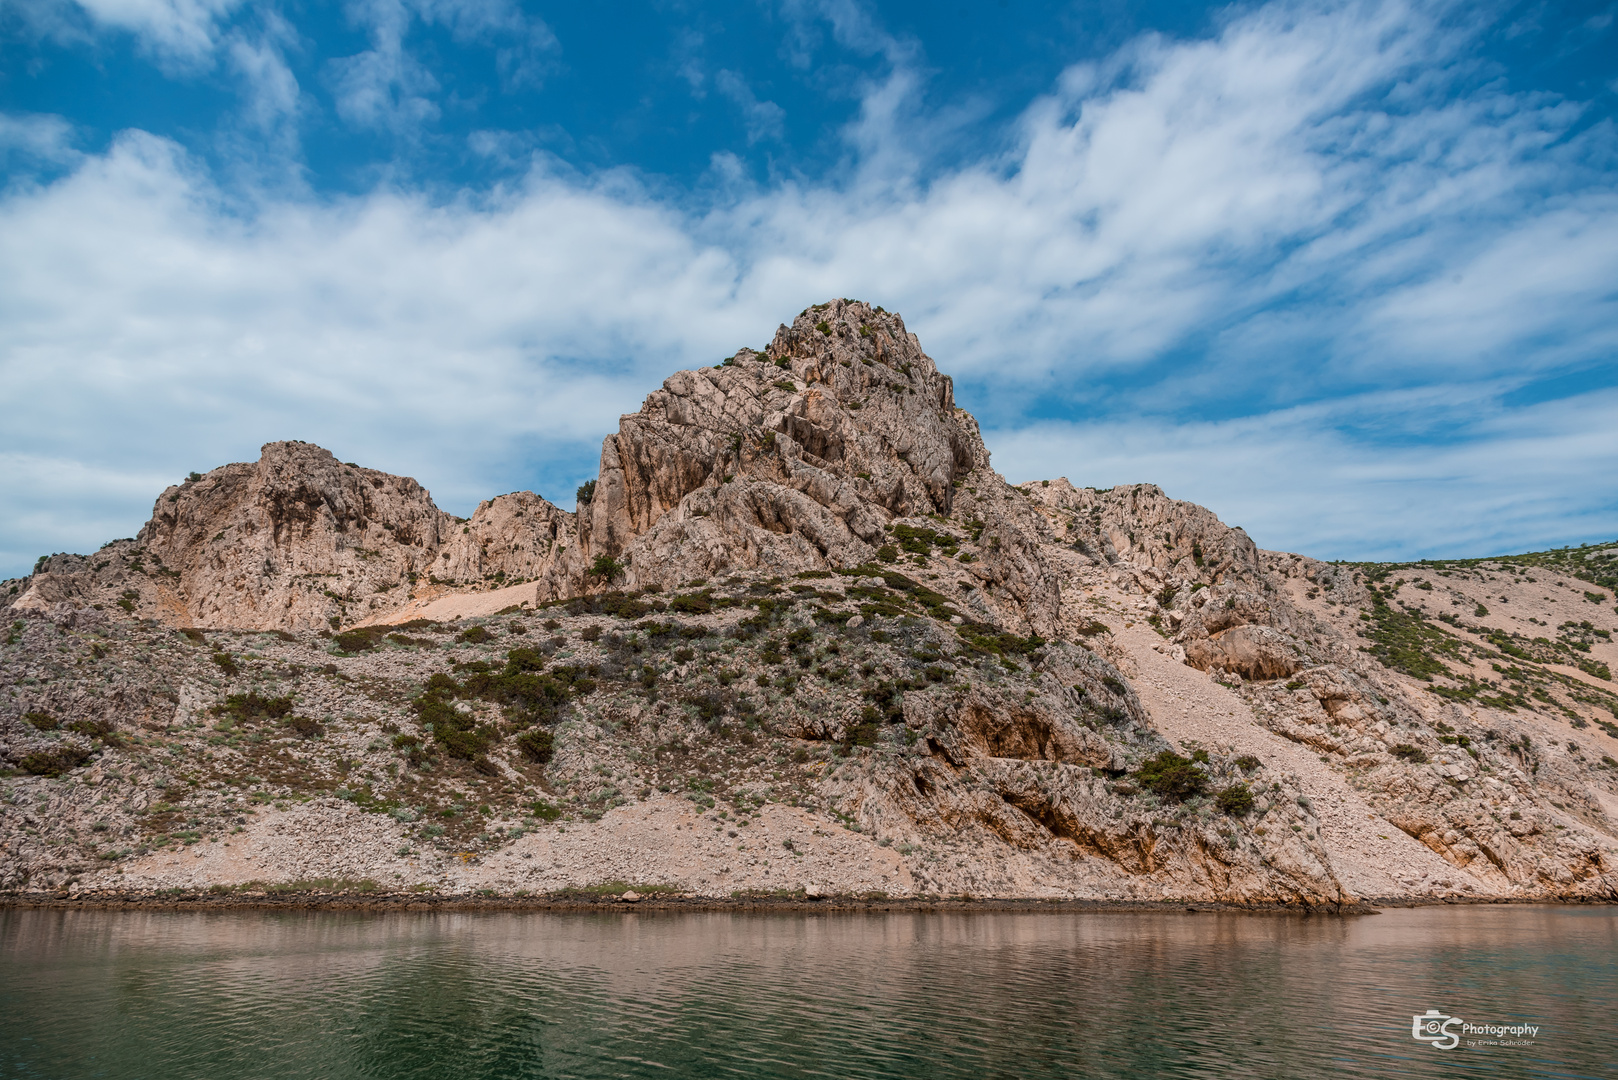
763	119
178	33
37	139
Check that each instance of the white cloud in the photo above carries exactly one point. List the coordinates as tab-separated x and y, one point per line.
52	504
1301	191
763	119
271	89
387	87
176	31
36	138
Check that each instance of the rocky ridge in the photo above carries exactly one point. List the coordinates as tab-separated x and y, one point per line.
798	613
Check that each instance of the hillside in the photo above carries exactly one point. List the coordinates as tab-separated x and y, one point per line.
799	639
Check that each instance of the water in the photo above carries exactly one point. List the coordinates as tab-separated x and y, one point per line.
467	996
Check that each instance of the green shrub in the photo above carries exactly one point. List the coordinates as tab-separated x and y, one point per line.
360	640
1247	763
537	745
888	553
227	664
102	729
691	604
474	635
1414	754
253	706
306	726
1171	776
44	721
823	326
1235	800
586	493
863	733
607	568
55	761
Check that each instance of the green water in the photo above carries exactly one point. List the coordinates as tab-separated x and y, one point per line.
468	997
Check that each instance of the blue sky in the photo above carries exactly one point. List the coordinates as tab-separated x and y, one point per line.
1347	273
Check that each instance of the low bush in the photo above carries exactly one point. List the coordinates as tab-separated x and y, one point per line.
1235	800
1171	776
306	726
55	761
245	708
360	640
607	568
1413	754
537	745
101	729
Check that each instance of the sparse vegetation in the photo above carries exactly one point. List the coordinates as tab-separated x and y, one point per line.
1171	776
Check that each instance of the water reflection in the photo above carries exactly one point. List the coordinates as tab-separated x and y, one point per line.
130	994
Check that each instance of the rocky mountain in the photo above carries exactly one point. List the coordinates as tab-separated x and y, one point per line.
800	639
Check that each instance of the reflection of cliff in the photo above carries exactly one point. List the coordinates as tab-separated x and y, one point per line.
493	996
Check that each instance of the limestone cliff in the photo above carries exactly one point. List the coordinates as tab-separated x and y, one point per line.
299	540
800	597
802	458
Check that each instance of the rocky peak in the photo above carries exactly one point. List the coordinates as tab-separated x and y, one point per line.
802	457
299	540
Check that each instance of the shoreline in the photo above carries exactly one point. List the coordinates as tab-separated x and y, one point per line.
355	900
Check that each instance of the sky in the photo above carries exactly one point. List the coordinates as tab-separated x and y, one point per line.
1345	273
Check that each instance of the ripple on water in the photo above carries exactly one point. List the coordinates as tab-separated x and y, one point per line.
133	994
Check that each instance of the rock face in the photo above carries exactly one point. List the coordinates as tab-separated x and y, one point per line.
509	539
300	540
799	583
801	458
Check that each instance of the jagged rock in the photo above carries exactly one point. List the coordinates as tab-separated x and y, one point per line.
1256	652
800	458
510	538
299	539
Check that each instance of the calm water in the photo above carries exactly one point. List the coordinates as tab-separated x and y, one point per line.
717	995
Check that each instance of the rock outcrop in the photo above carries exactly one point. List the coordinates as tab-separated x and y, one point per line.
299	540
802	458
